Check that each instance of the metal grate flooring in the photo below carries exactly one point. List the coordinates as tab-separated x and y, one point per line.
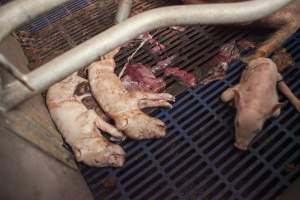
196	160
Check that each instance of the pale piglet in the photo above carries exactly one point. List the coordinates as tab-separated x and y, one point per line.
125	107
255	99
81	127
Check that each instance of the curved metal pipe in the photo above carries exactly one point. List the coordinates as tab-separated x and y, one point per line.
18	12
63	65
123	10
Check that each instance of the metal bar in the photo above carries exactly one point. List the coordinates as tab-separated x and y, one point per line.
123	10
14	14
63	65
20	11
13	70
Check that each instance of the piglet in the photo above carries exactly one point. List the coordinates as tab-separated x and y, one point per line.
125	107
255	99
81	126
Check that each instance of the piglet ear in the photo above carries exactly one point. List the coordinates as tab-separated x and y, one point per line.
238	100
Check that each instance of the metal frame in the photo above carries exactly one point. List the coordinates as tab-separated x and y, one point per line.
63	65
123	10
13	15
20	11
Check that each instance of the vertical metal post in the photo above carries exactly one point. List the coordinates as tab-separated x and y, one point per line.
123	10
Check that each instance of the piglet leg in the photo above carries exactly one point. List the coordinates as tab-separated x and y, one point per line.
284	89
153	96
108	128
152	104
91	147
148	100
228	95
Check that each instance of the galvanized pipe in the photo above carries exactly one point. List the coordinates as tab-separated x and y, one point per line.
123	10
17	12
14	14
13	70
63	65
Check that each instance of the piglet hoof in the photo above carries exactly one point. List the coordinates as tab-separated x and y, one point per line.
165	97
240	146
151	104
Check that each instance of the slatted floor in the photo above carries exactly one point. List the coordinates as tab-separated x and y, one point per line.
196	160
